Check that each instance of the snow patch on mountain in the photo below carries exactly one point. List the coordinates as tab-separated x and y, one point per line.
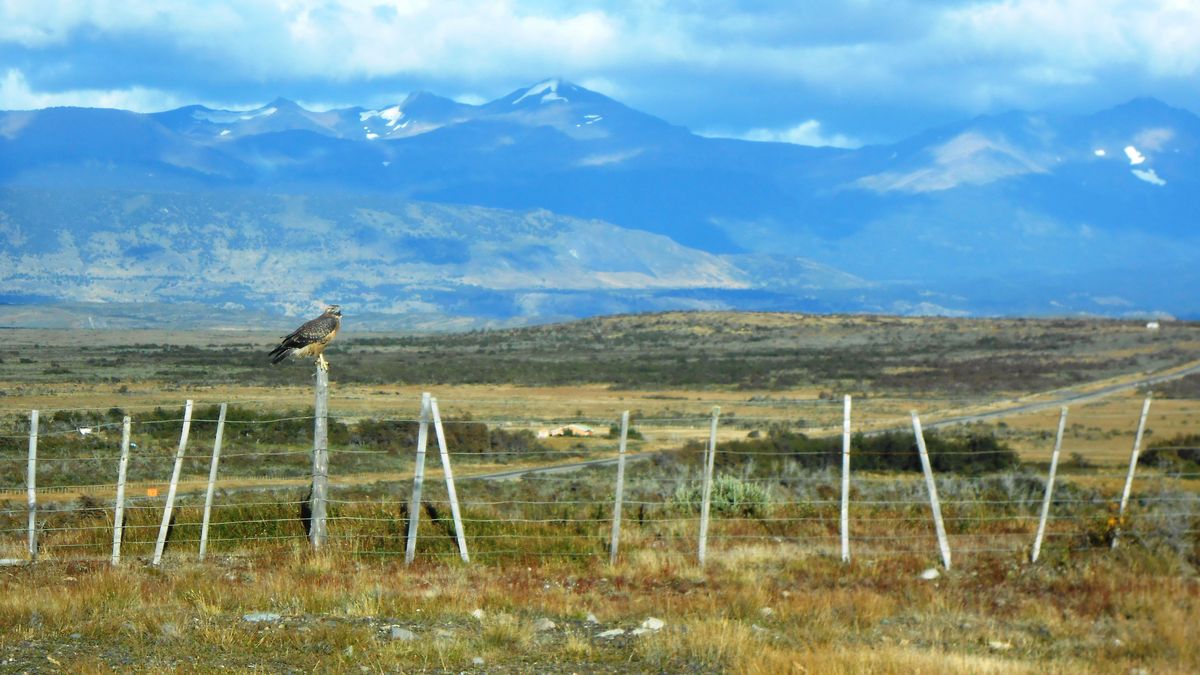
609	158
1150	176
548	90
971	158
1134	156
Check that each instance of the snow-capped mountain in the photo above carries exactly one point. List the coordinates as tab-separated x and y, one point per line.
1019	212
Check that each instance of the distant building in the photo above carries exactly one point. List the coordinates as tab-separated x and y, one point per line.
566	430
1152	325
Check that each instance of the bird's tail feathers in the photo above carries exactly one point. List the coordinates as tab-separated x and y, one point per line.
281	353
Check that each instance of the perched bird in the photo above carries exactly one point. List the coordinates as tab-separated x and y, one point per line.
311	338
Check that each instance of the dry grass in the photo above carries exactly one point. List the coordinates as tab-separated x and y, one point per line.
749	611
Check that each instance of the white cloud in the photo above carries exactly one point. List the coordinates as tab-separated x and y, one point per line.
806	133
16	94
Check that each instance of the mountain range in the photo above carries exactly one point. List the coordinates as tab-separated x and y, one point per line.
556	202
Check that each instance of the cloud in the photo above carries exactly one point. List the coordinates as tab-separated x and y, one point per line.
16	94
808	132
873	61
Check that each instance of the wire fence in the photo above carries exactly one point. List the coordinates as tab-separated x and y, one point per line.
532	487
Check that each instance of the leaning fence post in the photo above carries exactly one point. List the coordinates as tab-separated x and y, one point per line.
31	484
119	514
450	493
616	526
1041	531
1133	459
933	496
414	504
318	503
705	505
845	524
161	543
212	481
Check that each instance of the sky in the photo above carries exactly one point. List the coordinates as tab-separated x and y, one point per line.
836	72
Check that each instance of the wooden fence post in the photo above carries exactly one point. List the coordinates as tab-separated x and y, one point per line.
212	481
31	484
943	544
161	543
119	513
845	519
706	503
1041	531
1133	458
616	524
450	492
318	503
414	504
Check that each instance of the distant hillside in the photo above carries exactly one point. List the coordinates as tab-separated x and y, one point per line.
1020	213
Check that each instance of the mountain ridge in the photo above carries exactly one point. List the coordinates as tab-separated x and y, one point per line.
1021	212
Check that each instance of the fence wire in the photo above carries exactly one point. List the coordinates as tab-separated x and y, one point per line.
537	487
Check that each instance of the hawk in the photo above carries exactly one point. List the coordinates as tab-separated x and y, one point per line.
311	338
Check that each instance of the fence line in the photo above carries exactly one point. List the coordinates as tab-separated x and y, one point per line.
792	508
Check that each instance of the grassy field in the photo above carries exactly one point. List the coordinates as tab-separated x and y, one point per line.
539	594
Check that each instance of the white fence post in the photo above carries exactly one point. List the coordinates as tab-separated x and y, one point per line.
31	484
1133	458
212	481
450	492
616	524
119	513
706	505
318	503
414	504
845	520
943	544
1041	531
161	543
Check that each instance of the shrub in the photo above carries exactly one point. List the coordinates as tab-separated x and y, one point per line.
730	497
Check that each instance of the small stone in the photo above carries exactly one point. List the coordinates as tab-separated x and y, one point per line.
169	630
543	624
998	646
76	636
261	617
930	574
478	614
766	611
477	661
348	651
652	623
609	634
591	618
402	634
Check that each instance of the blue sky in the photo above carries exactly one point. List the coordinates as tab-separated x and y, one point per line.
836	72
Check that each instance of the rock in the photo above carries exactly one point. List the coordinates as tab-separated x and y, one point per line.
348	651
543	624
261	617
170	630
477	661
609	634
478	614
766	611
930	574
591	618
402	634
652	623
998	646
